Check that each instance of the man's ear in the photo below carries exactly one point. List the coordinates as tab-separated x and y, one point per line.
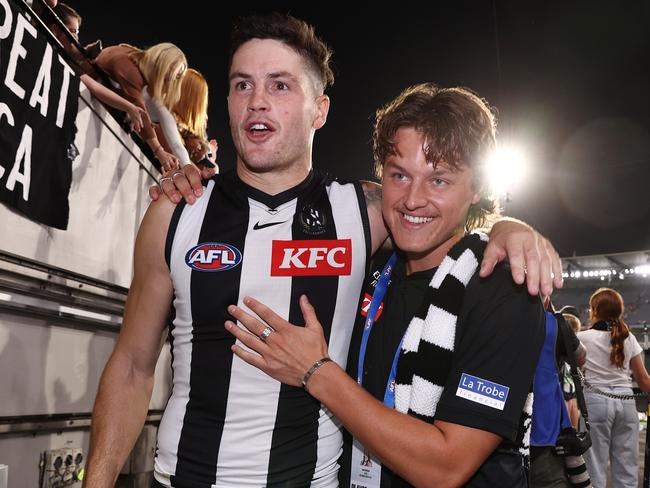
322	109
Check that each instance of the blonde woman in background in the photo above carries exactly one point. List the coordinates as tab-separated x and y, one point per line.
191	114
183	132
612	354
155	73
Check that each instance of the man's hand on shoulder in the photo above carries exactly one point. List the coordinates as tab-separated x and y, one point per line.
182	183
531	256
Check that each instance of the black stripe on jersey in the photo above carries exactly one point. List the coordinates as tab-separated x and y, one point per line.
366	222
225	221
170	337
171	232
293	456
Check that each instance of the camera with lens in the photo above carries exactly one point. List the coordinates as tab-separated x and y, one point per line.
572	443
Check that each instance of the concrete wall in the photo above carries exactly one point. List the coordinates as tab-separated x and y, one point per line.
107	201
47	368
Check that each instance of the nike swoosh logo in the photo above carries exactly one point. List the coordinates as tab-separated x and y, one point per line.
257	226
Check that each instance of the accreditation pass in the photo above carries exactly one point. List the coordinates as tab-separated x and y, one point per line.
366	468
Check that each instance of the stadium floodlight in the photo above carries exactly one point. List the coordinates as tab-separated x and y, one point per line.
506	168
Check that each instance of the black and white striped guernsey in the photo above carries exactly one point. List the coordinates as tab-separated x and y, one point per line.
227	424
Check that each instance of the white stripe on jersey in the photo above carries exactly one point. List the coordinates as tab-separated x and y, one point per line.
169	431
246	450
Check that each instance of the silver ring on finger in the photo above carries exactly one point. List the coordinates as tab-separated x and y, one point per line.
162	180
175	174
266	333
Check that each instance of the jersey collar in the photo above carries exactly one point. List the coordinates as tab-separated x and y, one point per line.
271	201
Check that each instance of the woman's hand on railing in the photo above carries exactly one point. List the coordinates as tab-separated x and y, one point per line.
136	116
167	160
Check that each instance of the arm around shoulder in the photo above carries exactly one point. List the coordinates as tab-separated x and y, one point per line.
126	384
532	257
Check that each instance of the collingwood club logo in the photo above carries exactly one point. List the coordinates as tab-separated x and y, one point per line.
313	220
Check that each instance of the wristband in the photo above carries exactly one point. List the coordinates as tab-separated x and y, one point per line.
312	370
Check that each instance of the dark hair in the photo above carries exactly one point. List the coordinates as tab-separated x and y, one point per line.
573	321
64	12
570	310
607	305
458	128
295	33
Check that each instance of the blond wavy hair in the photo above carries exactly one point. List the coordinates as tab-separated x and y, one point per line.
191	110
157	65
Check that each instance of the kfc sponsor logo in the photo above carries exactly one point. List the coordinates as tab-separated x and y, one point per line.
365	306
312	258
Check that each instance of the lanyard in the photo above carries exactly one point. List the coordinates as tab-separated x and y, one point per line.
377	297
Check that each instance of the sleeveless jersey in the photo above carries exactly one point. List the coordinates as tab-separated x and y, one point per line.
227	424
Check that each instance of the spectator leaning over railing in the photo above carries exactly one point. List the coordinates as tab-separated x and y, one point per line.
612	353
72	21
156	71
70	17
183	133
191	114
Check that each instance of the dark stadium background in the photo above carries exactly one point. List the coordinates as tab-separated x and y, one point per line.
570	82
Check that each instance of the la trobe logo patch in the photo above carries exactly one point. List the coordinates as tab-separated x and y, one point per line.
213	256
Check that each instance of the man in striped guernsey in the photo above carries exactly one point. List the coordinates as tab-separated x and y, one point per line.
275	229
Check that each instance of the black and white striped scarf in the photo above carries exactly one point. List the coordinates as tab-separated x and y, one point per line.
428	345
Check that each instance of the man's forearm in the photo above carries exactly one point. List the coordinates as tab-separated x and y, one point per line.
118	417
421	453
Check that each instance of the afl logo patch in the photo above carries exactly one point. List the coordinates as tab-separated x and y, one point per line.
213	256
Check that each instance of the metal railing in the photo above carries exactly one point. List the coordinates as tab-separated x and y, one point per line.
47	12
38	424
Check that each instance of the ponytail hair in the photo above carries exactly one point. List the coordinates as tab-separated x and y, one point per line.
607	305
